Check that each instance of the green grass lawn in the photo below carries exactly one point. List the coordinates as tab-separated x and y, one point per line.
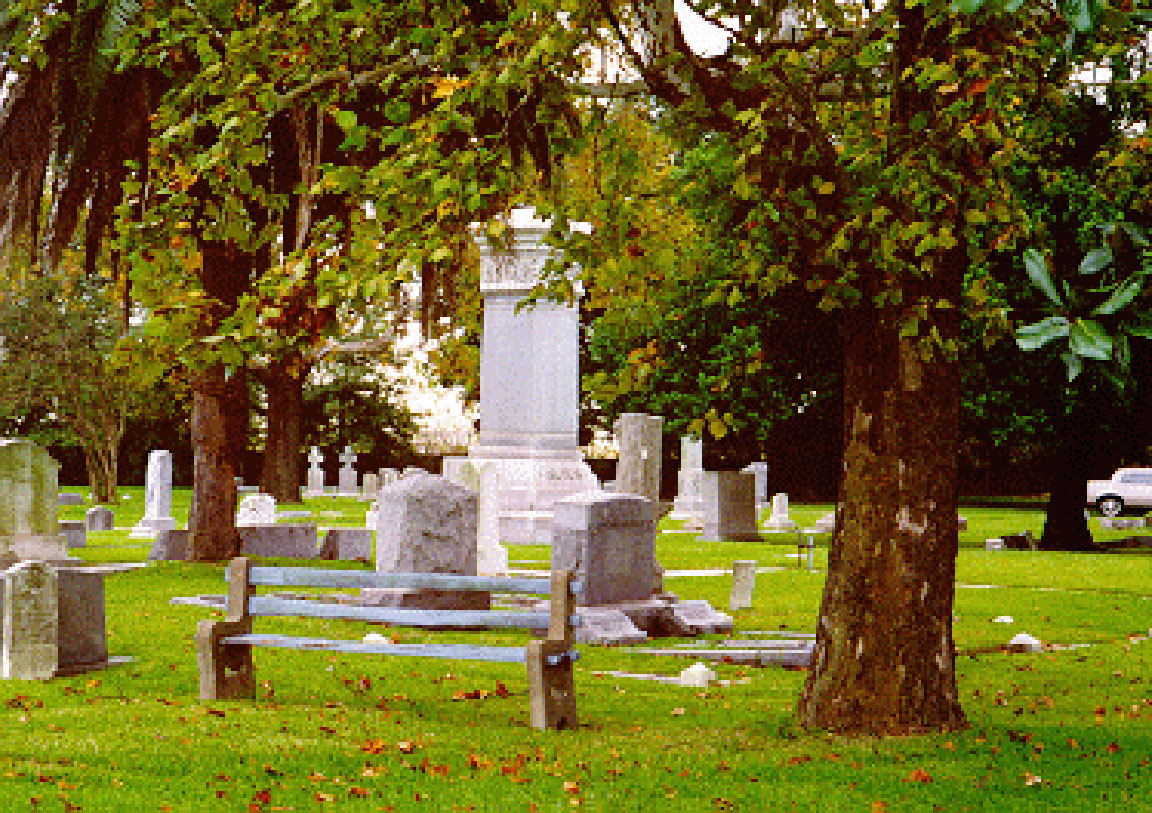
1067	729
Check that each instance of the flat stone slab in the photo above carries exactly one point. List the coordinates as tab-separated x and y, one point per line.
799	657
295	541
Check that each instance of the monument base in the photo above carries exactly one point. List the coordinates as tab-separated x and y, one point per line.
516	499
151	528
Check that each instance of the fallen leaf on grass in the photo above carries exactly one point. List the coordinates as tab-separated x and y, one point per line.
1031	779
358	791
571	787
406	746
919	775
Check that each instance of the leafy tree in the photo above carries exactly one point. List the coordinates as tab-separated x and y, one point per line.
872	150
58	333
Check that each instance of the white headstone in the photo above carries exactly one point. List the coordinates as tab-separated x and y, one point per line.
640	438
729	506
315	485
743	583
348	483
780	521
371	485
157	496
608	540
256	509
30	643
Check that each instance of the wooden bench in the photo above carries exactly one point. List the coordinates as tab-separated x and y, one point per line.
224	648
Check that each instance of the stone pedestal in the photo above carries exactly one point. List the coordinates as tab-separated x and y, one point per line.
526	457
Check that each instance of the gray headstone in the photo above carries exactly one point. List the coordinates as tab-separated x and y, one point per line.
157	496
256	509
759	470
171	546
689	502
426	524
294	541
75	532
99	518
743	583
608	540
371	485
349	482
347	544
28	488
640	438
29	645
729	506
68	498
82	636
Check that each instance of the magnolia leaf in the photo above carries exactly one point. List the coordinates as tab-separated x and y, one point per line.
967	6
1121	297
1096	260
1136	234
1037	268
1073	363
1035	336
1089	339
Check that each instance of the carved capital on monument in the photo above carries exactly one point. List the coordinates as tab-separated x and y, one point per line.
518	266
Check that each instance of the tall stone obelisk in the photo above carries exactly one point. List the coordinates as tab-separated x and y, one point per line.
526	456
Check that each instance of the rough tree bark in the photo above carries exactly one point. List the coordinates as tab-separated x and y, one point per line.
212	518
282	474
884	661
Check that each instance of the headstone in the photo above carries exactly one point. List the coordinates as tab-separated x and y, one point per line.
293	541
780	521
529	389
28	488
826	524
99	518
689	502
371	485
171	546
75	533
995	543
608	541
256	509
729	506
349	484
743	583
426	524
315	484
68	498
759	470
157	496
29	644
388	476
348	544
639	437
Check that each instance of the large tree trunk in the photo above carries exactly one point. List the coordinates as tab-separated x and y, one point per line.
212	519
884	660
1065	523
281	474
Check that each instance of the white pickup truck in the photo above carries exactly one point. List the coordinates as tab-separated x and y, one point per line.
1128	487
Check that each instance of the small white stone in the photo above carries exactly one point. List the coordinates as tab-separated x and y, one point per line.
1028	642
1003	619
698	675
